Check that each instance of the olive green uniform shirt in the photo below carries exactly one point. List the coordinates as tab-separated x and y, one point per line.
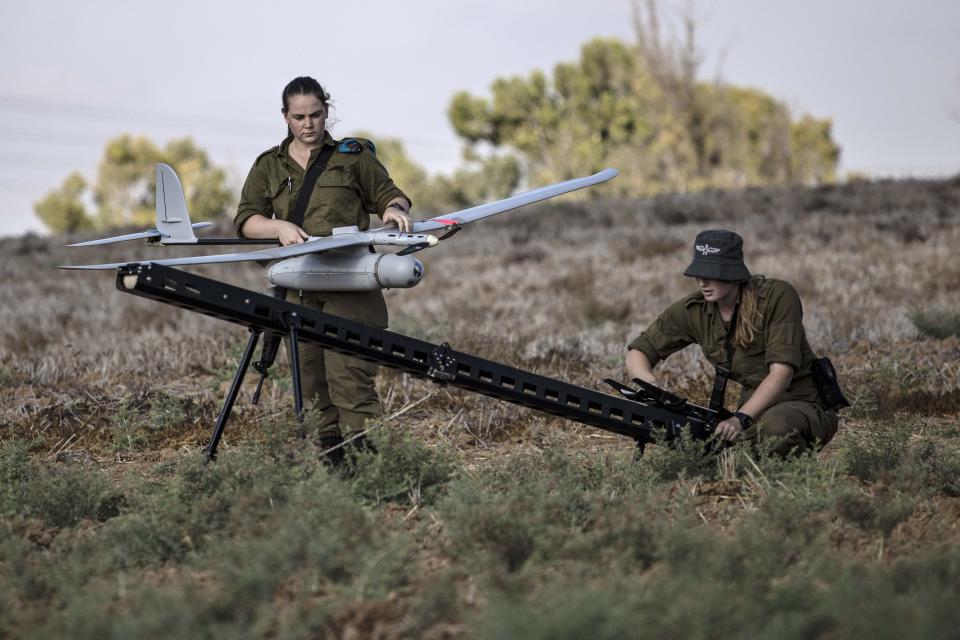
353	186
780	338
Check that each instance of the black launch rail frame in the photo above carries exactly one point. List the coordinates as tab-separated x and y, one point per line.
274	316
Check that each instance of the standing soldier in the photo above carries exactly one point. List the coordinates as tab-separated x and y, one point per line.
352	185
751	329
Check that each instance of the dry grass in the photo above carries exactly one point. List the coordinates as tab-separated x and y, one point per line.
558	288
119	383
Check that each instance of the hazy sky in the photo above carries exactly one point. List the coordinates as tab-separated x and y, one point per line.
73	75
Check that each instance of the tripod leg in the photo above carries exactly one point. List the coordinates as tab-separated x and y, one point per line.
295	374
211	453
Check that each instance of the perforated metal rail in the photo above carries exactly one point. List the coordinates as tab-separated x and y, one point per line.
263	313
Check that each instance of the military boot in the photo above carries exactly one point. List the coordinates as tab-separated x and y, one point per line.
334	458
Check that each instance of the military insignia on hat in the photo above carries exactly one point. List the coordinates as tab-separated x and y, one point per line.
718	255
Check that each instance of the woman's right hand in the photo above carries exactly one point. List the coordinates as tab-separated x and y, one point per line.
260	226
289	233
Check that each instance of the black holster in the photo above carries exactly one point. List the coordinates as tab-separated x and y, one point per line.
825	377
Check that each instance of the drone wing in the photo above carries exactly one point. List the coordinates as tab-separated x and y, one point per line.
472	214
313	245
382	236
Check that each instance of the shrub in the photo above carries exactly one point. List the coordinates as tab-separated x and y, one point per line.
147	418
540	510
402	469
570	613
875	513
880	453
58	494
931	467
936	324
684	457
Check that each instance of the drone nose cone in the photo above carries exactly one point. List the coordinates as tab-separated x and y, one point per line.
432	240
398	272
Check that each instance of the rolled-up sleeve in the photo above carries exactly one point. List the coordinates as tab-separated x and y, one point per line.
783	331
669	333
253	198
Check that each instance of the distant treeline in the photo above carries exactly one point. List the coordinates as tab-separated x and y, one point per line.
638	107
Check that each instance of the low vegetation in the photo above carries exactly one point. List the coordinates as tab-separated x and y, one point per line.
479	519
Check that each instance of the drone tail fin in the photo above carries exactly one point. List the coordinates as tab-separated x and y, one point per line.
173	219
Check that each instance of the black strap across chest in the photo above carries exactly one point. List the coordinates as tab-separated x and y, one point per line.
723	371
309	181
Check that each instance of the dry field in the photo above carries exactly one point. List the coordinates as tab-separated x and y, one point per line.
480	518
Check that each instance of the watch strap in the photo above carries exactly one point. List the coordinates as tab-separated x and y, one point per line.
746	420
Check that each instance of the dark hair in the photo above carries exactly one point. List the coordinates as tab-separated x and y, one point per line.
304	86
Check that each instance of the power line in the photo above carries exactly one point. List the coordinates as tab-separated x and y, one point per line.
73	140
107	113
89	111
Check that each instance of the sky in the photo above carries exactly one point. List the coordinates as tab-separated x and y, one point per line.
73	75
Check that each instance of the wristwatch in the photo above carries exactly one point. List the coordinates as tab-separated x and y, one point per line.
745	419
396	205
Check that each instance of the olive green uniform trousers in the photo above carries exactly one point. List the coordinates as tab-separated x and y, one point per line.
340	390
796	426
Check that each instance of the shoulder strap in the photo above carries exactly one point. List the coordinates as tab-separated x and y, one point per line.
723	371
309	181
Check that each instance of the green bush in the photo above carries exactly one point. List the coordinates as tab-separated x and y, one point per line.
401	469
551	542
890	386
569	613
774	575
146	418
229	537
875	513
931	467
878	454
553	508
684	457
57	494
936	324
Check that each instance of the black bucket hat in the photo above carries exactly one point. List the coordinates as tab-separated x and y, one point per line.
718	255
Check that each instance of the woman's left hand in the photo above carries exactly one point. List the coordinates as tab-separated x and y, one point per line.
402	220
729	429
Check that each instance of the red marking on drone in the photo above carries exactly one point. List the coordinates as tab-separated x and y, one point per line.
446	221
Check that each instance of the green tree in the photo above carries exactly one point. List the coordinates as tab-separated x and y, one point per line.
478	180
206	186
640	107
815	155
62	209
125	188
405	172
126	180
125	175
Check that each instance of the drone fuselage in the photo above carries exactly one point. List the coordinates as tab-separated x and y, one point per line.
346	270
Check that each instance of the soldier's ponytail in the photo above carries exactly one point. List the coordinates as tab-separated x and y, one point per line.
750	317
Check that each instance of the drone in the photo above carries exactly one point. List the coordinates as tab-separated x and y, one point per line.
343	261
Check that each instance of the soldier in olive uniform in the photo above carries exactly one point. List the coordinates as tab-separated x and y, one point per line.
771	356
354	185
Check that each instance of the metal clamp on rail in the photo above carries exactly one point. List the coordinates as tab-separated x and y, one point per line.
443	365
